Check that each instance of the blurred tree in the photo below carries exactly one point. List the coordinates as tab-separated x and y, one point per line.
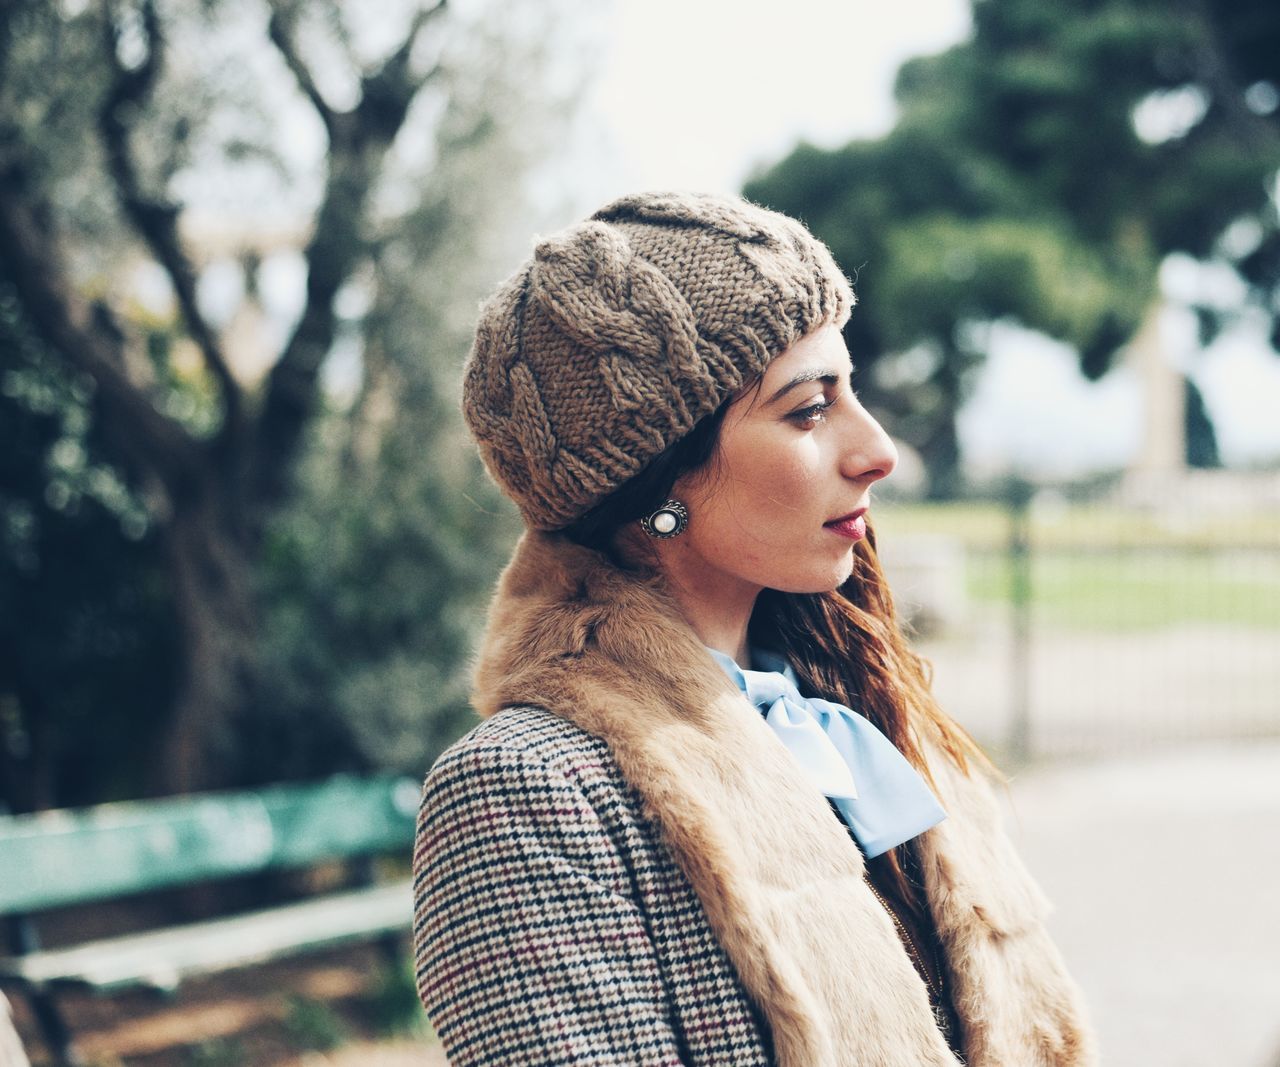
86	635
1043	170
113	116
413	518
1202	443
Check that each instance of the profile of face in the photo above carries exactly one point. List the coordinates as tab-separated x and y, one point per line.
779	504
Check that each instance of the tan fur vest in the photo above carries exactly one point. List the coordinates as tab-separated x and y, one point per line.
779	879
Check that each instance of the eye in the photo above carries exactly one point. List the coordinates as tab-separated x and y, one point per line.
811	415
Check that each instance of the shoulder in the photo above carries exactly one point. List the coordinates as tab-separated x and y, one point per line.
522	745
526	806
526	774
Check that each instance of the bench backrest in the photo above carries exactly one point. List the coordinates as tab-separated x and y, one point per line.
71	856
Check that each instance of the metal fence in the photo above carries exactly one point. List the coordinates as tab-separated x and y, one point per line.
1078	620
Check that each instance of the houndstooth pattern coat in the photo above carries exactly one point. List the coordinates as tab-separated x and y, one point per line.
553	925
620	865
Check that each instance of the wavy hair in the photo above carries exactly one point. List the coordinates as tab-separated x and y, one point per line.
846	645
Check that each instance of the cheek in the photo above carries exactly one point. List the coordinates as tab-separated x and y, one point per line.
760	523
776	482
765	488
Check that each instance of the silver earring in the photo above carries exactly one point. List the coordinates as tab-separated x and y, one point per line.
668	521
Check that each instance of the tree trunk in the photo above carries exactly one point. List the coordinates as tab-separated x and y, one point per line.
940	447
1198	430
211	569
941	456
213	494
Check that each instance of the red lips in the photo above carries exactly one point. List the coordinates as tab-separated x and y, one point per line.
852	526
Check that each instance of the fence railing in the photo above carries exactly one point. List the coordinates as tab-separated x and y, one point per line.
1058	622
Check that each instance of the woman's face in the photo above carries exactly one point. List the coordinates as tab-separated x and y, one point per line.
779	504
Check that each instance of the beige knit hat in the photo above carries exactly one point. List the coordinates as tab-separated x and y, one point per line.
623	331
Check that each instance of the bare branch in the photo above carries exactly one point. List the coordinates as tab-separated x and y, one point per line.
358	142
387	92
280	28
149	440
396	66
156	220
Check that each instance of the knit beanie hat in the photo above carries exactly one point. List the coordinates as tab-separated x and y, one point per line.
624	330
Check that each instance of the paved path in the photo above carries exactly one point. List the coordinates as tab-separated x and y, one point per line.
1110	692
1165	873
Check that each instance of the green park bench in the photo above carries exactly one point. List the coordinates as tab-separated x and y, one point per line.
75	857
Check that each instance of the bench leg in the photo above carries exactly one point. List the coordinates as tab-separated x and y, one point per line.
391	948
53	1028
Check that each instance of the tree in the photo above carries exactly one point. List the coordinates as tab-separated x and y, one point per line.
85	628
415	517
1042	171
122	97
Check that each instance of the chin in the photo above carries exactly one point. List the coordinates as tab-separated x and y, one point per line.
827	583
823	576
839	576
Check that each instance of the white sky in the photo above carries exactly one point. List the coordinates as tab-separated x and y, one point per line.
696	93
698	90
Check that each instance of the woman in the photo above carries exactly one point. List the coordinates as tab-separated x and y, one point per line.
712	815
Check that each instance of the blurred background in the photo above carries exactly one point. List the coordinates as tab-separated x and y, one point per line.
244	538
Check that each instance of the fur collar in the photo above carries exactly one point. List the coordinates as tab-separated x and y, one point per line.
779	879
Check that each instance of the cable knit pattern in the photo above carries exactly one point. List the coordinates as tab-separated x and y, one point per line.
624	330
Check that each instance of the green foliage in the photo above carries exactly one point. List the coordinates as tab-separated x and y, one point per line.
53	81
373	586
1041	171
393	1006
86	633
313	1025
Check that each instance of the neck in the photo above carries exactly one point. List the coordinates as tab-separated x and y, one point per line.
718	608
719	621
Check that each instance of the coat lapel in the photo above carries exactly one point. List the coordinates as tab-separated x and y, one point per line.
780	881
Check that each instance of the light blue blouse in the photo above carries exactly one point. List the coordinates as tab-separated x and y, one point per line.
878	793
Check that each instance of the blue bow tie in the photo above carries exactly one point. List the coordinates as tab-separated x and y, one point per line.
877	792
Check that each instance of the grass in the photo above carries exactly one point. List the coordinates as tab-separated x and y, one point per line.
216	1052
1102	568
985	524
314	1025
1133	591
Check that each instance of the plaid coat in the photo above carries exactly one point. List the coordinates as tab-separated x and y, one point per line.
620	865
553	926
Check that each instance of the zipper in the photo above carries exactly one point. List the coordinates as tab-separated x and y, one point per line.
934	993
935	996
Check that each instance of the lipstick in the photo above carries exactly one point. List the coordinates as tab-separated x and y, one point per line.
852	526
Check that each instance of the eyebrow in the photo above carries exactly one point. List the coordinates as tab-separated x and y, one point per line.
826	377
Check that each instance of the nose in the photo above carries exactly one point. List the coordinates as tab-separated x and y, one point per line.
869	452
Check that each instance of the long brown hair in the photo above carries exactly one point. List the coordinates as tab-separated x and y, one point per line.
845	646
848	646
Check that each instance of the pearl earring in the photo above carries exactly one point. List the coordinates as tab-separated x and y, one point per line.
668	521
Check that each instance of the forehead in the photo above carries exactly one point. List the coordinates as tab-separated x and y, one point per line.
822	352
